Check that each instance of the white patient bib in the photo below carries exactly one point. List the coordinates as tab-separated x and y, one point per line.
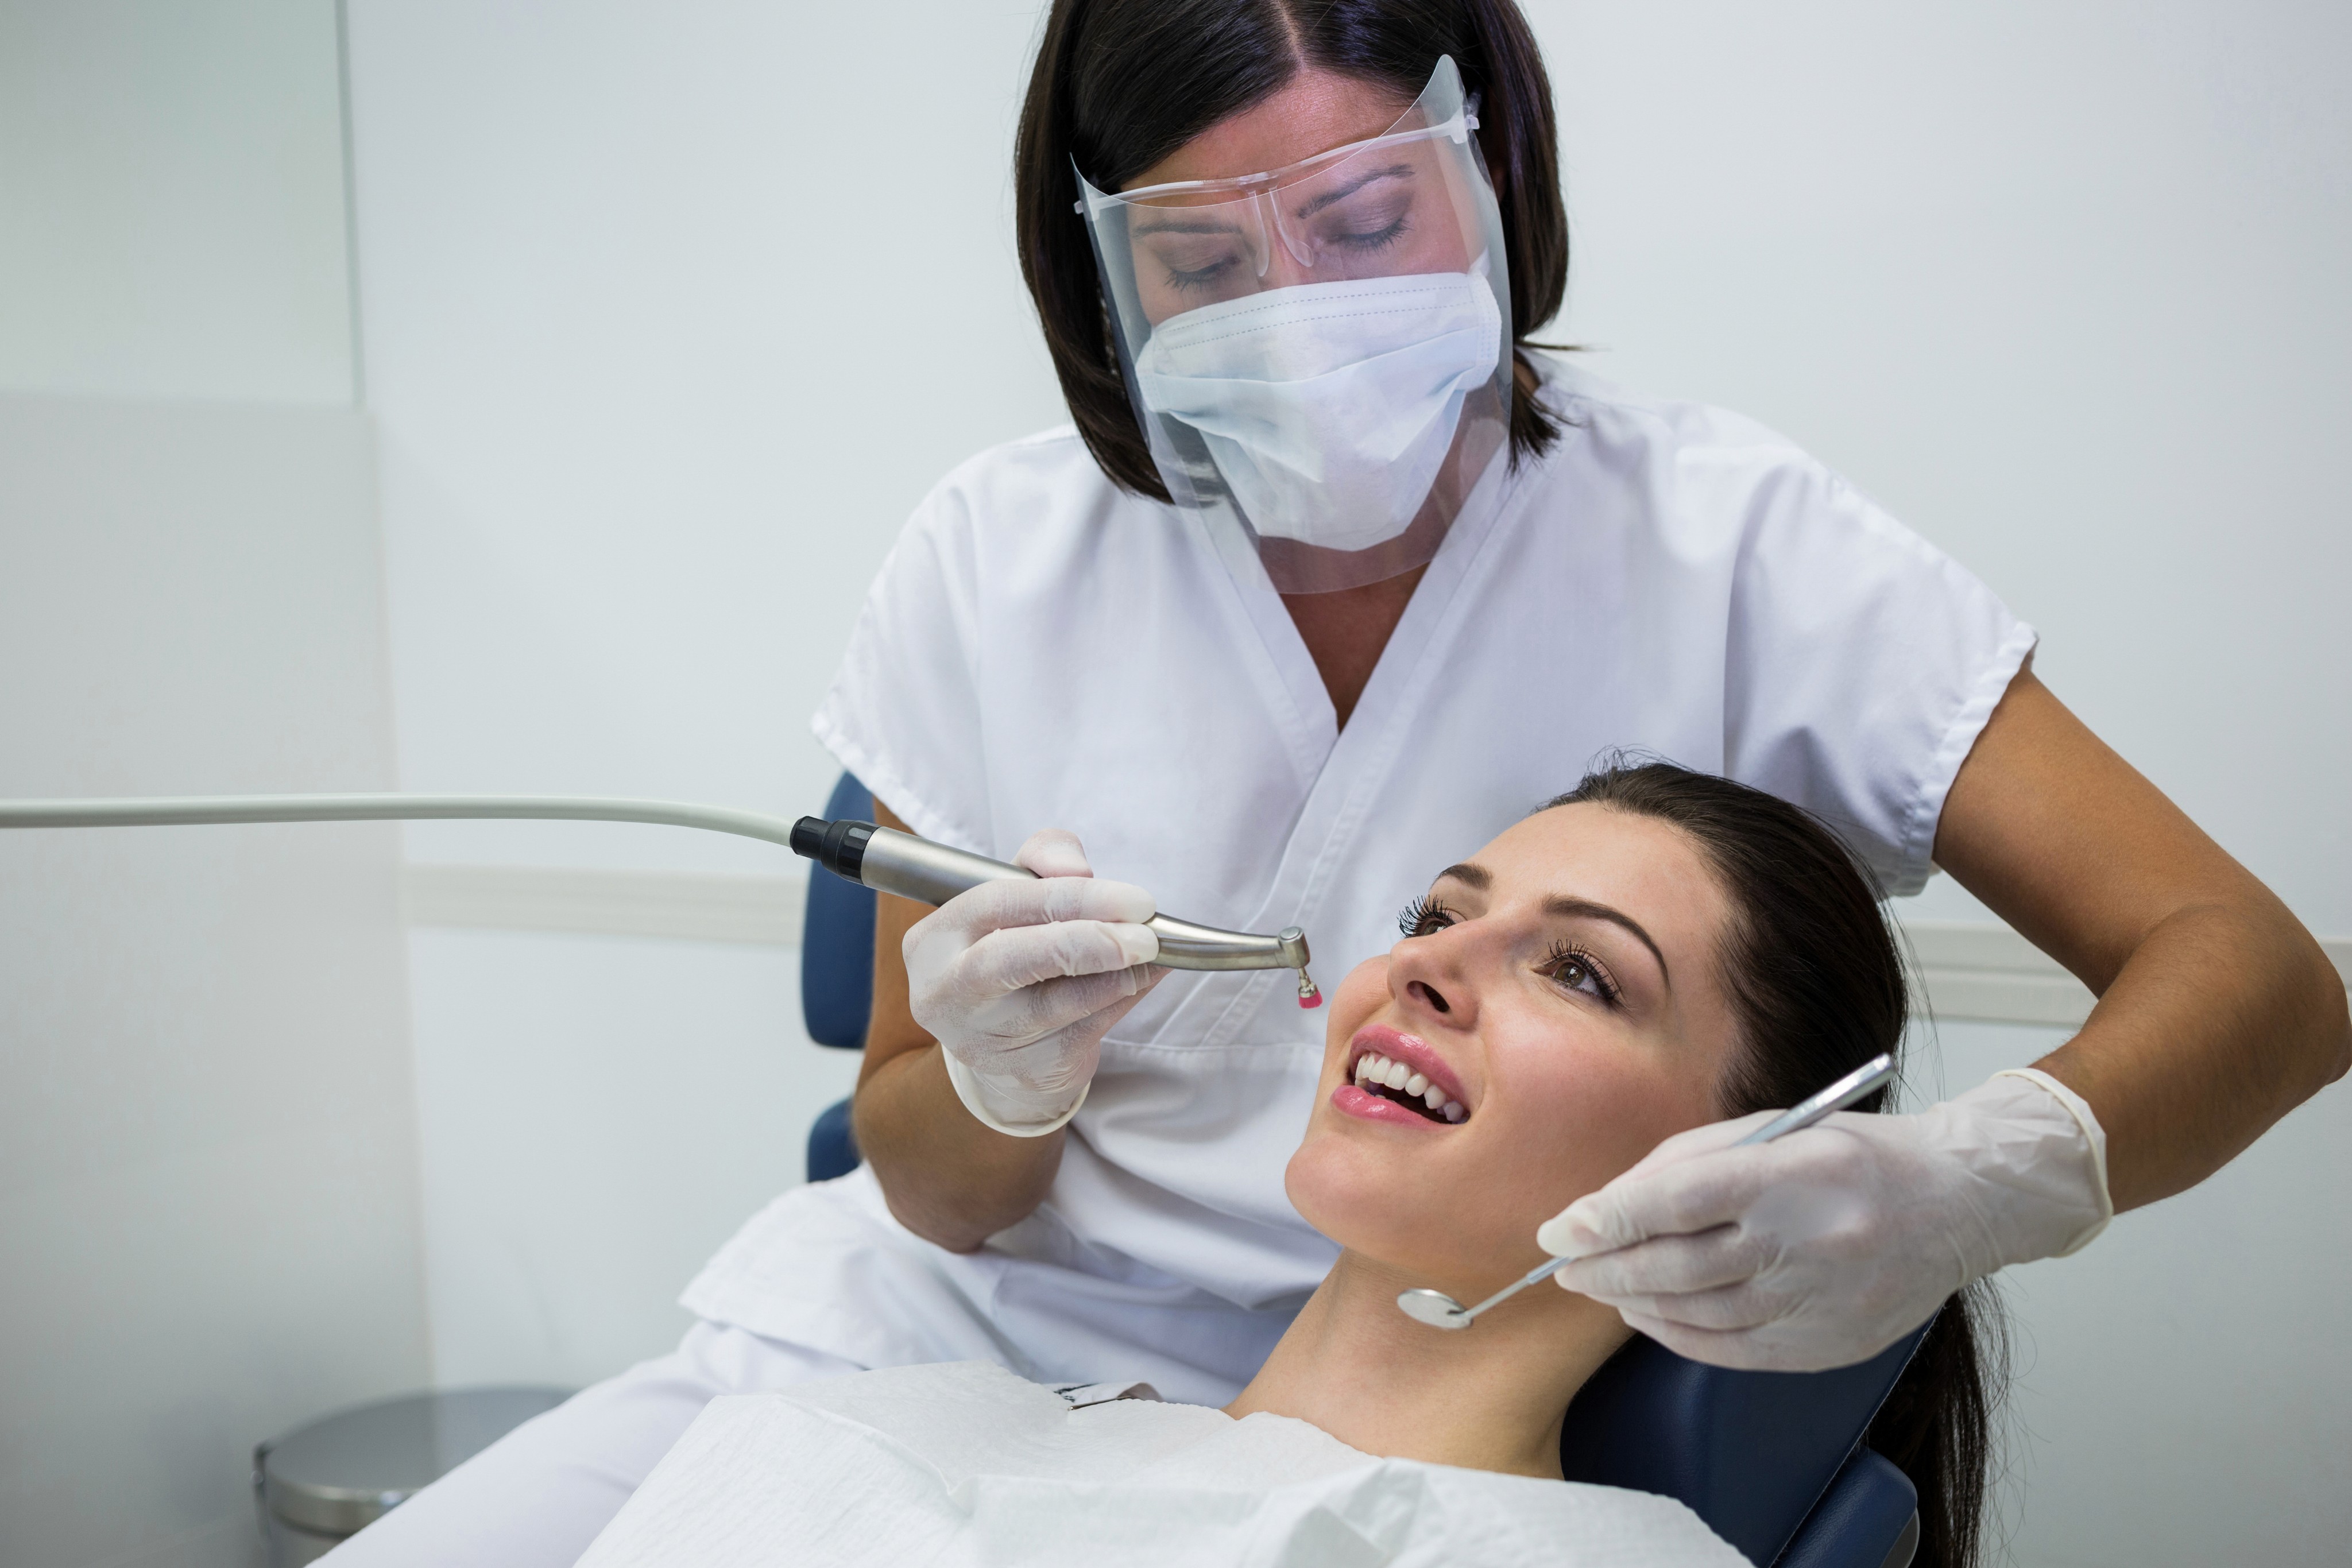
956	1465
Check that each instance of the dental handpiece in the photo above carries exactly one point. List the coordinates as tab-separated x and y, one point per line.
1440	1311
891	862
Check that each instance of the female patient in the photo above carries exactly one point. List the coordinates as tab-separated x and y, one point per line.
1652	952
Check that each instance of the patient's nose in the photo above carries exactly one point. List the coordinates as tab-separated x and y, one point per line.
1427	975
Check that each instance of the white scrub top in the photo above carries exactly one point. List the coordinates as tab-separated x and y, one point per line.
1041	650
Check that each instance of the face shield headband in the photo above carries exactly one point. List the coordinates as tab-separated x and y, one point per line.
1322	350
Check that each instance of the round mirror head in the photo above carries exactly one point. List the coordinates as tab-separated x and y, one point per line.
1435	1307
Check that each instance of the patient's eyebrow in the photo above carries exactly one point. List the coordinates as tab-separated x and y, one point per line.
1477	878
1585	909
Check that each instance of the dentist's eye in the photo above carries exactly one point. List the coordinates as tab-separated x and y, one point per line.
1183	279
1424	915
1190	262
1377	239
1572	968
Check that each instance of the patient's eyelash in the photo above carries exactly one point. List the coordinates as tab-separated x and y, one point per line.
1424	915
1566	955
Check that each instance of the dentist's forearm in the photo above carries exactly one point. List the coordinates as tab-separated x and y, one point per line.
2226	1017
2217	1014
946	1177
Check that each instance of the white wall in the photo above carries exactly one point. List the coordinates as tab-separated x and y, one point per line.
2063	287
209	1183
671	316
598	1114
172	215
209	1226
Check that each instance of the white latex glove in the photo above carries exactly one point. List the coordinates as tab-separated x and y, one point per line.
1823	1248
1019	981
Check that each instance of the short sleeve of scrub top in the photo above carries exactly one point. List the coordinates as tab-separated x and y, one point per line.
1859	662
914	652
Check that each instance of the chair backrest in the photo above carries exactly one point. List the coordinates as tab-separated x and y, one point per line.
837	979
1751	1453
837	940
1748	1452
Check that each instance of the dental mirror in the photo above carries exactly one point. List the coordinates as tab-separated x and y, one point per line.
1440	1311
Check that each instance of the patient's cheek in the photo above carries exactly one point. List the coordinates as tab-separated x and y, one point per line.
1598	1116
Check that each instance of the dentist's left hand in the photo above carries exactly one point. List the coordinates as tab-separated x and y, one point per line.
1826	1247
1019	981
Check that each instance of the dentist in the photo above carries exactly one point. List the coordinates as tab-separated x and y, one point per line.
1333	577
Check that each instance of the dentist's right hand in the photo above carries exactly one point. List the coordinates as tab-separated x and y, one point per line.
1019	981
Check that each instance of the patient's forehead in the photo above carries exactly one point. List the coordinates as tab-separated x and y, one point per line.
1650	869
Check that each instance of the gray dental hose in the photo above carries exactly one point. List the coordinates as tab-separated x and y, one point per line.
879	858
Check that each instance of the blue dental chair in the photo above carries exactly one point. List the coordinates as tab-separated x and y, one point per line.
1773	1462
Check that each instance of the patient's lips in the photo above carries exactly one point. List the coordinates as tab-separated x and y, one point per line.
1396	1078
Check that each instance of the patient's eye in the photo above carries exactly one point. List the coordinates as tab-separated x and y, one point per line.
1424	915
1573	968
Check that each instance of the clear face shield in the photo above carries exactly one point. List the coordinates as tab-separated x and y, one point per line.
1324	348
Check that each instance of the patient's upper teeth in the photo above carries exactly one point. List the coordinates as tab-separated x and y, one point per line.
1451	1111
1416	1085
1433	1095
1397	1074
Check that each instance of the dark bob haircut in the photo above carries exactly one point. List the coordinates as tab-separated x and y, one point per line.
1121	84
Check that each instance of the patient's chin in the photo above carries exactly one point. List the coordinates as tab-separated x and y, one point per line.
1360	1204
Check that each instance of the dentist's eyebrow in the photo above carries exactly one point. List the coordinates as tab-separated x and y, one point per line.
1393	172
1585	909
1182	226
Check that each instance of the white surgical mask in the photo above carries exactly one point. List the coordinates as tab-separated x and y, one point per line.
1328	407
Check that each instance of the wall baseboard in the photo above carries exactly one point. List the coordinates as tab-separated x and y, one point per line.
1971	971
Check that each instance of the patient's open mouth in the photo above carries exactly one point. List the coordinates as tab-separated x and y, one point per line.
1394	1081
1392	1066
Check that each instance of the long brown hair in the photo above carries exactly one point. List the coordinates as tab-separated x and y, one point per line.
1817	983
1121	84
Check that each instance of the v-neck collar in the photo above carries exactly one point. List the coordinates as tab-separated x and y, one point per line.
1319	743
1338	769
